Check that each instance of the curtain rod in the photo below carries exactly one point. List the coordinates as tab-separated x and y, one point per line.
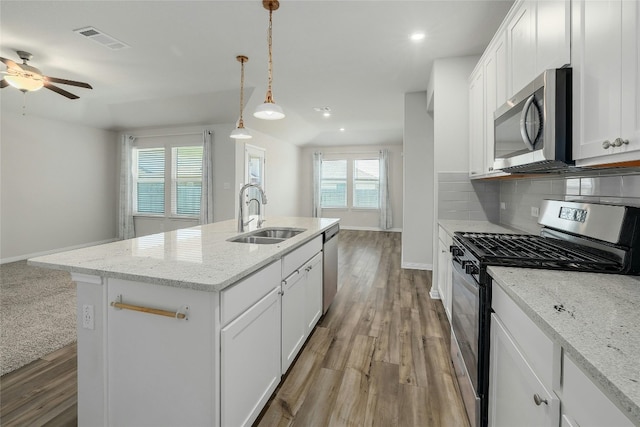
328	153
169	134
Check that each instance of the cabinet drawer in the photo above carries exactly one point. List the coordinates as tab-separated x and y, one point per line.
583	401
237	298
537	347
292	261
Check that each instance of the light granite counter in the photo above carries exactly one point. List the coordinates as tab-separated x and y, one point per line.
451	226
197	258
594	317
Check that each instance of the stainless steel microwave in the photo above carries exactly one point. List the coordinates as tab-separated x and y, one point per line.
533	129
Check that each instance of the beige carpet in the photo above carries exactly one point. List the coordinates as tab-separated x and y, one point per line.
37	313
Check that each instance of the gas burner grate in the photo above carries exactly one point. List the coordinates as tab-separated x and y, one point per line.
521	250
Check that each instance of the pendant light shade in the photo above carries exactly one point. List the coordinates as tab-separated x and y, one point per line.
240	132
269	110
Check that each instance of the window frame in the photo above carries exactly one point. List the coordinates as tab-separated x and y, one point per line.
353	188
346	183
170	195
350	179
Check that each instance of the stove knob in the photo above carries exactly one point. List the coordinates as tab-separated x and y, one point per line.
469	268
456	251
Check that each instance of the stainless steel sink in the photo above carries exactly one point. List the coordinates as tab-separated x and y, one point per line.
267	236
277	233
256	240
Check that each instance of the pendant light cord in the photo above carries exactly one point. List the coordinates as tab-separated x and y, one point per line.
269	41
241	122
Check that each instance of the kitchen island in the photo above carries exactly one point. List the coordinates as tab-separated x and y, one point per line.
223	322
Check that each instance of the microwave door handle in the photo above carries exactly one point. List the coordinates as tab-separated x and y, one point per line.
523	123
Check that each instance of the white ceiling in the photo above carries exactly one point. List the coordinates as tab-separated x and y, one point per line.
353	56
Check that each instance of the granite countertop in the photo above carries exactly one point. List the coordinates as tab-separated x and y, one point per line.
594	317
452	226
197	258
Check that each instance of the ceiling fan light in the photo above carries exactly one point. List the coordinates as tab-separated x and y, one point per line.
240	133
269	111
25	84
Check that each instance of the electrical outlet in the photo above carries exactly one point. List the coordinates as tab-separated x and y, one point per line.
535	211
87	317
503	205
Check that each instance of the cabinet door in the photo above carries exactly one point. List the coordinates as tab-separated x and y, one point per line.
313	272
553	34
476	123
522	52
490	95
630	118
294	325
596	60
250	361
502	74
444	276
516	395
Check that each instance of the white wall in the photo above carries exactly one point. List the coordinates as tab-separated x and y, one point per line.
224	152
417	236
282	175
58	186
354	218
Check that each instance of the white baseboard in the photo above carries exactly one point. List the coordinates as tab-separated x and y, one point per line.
53	251
355	228
434	294
416	266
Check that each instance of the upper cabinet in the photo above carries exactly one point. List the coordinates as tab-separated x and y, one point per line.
606	62
535	36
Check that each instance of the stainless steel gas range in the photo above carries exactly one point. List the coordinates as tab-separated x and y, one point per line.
575	236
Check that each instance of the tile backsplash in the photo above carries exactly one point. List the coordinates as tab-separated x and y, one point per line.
461	198
518	196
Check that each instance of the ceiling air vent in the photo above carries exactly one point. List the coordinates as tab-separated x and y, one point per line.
101	38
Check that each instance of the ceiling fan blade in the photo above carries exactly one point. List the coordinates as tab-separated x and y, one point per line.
3	84
60	91
10	64
67	82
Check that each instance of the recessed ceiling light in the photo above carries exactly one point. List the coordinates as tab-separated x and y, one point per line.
417	36
341	129
326	114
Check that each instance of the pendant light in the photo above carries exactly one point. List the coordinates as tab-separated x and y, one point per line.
240	132
269	110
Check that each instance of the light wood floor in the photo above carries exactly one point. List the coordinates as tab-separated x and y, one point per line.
379	357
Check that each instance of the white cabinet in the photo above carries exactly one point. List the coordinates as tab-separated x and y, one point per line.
476	123
313	297
444	270
583	404
301	307
250	361
294	326
516	395
522	48
606	63
553	34
523	368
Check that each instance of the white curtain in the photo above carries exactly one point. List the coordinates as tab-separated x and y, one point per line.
386	220
206	201
317	172
125	215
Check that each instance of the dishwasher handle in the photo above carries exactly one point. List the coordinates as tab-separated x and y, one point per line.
331	233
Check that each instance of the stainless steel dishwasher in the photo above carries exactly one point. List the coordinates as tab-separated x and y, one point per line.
329	266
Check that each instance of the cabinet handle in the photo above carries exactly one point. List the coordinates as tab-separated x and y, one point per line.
538	400
607	144
619	141
182	313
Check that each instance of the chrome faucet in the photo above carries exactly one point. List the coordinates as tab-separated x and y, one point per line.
261	201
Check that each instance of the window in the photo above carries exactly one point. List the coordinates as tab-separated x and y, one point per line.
366	184
350	184
168	174
333	184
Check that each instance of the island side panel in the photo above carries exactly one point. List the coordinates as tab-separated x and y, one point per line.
161	370
91	350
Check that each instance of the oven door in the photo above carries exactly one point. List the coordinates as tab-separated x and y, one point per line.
465	324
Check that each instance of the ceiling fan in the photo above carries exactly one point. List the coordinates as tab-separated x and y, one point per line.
27	78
